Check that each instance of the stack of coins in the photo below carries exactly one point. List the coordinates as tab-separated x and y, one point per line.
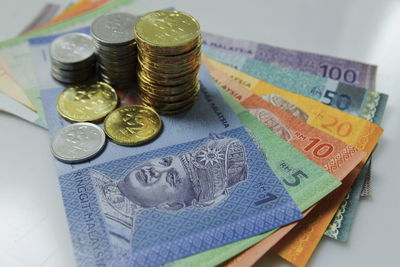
73	58
169	44
116	49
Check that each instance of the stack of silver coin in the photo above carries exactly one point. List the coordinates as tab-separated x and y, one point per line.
73	58
116	49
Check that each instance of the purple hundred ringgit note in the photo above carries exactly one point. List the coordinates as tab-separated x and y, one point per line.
343	70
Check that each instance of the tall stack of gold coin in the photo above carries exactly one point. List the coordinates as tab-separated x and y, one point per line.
169	52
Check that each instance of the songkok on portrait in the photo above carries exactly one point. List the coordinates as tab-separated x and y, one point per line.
213	167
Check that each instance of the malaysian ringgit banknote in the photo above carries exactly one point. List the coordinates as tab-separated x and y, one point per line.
359	102
74	10
10	100
11	88
344	126
15	52
318	184
343	70
48	11
210	186
11	106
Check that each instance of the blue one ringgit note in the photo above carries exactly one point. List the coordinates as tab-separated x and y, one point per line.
201	184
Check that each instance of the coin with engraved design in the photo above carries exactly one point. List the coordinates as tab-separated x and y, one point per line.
91	102
78	142
132	125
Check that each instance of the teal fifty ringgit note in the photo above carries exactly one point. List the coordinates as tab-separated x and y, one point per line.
358	101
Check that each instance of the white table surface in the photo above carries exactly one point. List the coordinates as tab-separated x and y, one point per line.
33	226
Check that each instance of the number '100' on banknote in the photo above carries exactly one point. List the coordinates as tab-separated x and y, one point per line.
177	196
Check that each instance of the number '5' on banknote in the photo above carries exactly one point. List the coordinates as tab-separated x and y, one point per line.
201	184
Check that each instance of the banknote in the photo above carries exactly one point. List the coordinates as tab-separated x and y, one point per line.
48	11
11	106
11	88
313	110
340	225
362	103
79	8
343	70
221	189
14	101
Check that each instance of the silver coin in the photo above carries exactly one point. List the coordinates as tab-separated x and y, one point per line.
73	80
73	73
78	142
72	48
114	29
75	66
131	46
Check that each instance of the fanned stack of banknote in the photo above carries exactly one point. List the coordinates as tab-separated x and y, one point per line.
274	155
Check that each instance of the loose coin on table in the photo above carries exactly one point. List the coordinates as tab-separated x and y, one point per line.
90	102
132	125
78	142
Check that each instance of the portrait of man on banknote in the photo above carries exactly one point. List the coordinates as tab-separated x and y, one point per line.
197	178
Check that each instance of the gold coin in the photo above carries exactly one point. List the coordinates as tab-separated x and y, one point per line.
87	102
163	80
174	112
169	69
167	28
164	90
132	125
171	59
166	106
166	51
170	98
